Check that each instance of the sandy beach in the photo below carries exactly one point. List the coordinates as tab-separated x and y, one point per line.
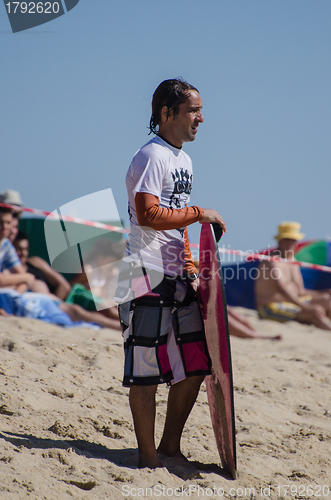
66	429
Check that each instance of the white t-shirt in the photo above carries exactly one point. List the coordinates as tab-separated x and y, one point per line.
166	172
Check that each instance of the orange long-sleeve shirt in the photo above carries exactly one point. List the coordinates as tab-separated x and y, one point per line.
150	214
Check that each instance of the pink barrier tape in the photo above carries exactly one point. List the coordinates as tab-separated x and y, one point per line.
261	256
100	225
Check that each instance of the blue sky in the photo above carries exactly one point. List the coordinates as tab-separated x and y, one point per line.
76	93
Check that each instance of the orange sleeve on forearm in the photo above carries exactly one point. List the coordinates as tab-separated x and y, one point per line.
150	214
189	264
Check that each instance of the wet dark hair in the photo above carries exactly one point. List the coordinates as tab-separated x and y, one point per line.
170	93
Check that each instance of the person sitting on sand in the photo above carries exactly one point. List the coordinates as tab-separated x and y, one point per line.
47	279
12	197
279	288
50	282
12	273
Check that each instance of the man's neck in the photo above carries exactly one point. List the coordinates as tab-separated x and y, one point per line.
287	254
168	140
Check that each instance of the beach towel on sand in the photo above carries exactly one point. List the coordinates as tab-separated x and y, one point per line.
37	306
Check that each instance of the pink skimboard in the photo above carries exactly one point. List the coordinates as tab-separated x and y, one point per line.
219	383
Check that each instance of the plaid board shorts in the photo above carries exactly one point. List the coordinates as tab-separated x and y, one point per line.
164	339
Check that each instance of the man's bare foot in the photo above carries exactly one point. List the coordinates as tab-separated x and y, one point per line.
181	466
4	313
151	463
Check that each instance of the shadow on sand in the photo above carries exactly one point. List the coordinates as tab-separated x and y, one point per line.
123	458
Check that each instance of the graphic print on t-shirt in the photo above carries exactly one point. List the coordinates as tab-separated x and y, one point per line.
182	184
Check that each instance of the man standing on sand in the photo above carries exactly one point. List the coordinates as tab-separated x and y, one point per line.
280	292
163	331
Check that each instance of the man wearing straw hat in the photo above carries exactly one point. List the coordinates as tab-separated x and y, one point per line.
279	288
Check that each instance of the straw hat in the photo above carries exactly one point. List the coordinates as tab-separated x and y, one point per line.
11	197
290	230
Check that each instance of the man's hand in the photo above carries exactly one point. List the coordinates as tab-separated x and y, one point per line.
211	215
195	284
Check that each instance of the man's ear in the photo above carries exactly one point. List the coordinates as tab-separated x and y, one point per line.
165	114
